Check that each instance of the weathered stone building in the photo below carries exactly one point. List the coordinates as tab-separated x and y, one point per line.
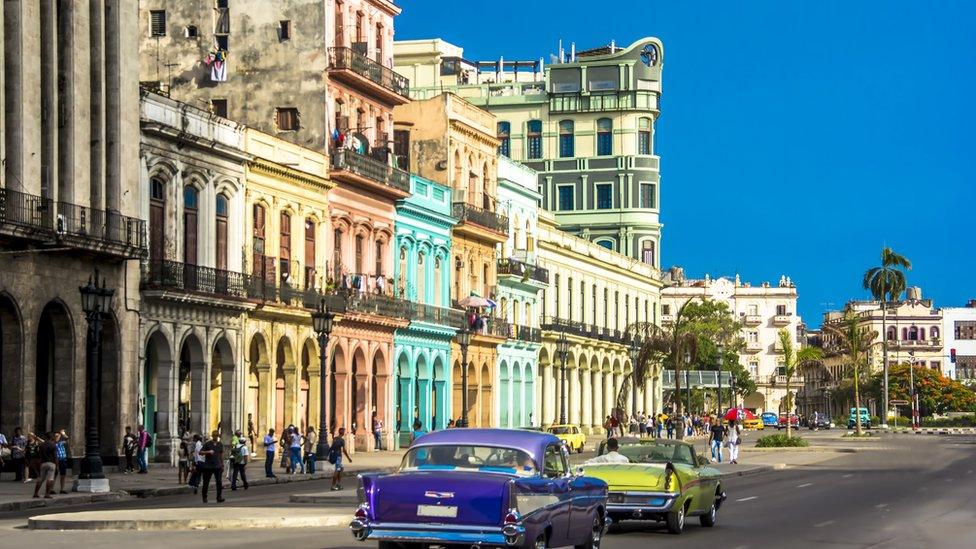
69	203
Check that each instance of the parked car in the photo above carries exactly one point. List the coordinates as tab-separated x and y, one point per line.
818	420
865	418
572	435
493	487
793	419
770	419
753	423
665	481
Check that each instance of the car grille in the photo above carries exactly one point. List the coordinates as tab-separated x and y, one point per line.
630	499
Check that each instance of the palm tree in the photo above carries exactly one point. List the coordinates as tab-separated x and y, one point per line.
886	283
853	341
793	358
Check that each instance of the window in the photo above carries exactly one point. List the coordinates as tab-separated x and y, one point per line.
604	196
190	31
379	44
665	309
781	309
379	257
190	207
935	364
606	243
284	254
606	307
219	107
157	219
555	465
649	253
555	289
892	334
566	139
221	207
534	139
222	42
753	337
286	119
157	22
934	332
257	230
359	254
604	137
339	22
566	199
753	310
284	30
648	195
754	368
504	138
644	136
309	253
359	27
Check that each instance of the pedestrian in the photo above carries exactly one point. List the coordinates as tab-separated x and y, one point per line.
450	423
607	424
615	427
213	453
143	442
735	439
336	451
670	427
377	433
198	462
18	444
649	427
251	433
239	456
33	456
269	453
417	432
229	469
129	444
296	452
309	449
717	439
47	455
183	463
285	442
61	449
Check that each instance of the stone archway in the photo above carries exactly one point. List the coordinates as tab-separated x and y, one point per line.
258	399
485	399
422	393
456	390
192	395
223	389
158	404
11	360
518	398
284	391
438	394
404	399
504	404
755	402
54	369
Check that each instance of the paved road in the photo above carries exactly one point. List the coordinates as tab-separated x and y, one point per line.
921	493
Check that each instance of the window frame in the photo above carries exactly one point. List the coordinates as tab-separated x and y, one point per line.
559	197
567	138
533	141
598	203
604	137
154	24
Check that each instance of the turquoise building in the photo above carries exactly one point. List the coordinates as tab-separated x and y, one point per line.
520	279
422	274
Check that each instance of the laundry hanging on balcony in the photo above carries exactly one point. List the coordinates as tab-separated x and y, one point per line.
217	61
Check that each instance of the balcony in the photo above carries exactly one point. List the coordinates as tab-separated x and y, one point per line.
348	166
180	277
369	77
527	334
437	315
377	305
28	216
782	320
523	271
909	344
616	101
753	347
480	223
752	320
581	329
667	319
776	348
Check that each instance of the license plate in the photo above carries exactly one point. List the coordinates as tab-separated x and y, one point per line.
444	511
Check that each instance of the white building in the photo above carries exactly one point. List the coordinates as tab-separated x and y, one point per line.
763	310
959	331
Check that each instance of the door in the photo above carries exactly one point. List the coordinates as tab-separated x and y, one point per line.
701	500
555	468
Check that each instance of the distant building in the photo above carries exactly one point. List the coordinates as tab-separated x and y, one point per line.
959	331
763	310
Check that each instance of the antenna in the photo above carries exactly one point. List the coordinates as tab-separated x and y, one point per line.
572	52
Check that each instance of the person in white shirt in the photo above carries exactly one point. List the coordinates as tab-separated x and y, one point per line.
612	455
735	438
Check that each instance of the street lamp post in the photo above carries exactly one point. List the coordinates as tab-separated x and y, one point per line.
721	356
464	339
912	396
322	319
562	348
634	351
95	301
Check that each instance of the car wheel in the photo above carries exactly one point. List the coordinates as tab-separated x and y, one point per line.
708	520
580	450
540	542
596	535
676	520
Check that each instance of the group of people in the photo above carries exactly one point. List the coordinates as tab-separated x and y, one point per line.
725	436
298	451
39	458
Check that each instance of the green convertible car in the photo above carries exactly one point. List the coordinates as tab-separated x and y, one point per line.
664	481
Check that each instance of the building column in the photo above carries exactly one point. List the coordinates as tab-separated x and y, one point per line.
598	403
200	397
573	403
265	412
167	411
587	391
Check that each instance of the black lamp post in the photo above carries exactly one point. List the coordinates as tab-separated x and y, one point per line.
562	348
634	351
721	358
464	339
322	319
96	300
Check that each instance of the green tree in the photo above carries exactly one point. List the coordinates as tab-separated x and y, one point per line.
886	282
854	342
792	358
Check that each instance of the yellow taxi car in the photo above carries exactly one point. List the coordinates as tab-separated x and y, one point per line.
572	435
753	423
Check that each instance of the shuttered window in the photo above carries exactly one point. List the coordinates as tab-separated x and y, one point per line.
309	253
190	206
221	230
284	252
157	22
157	216
258	231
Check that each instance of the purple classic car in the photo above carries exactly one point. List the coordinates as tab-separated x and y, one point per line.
490	487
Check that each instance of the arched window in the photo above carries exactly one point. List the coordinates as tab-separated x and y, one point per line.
379	258
421	279
529	240
401	282
644	136
604	137
458	168
309	253
157	219
649	253
892	333
438	300
258	225
534	139
486	189
191	206
904	334
284	249
921	334
934	332
913	333
221	207
567	139
360	245
505	138
607	243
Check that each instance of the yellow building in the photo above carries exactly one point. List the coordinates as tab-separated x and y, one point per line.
286	226
451	142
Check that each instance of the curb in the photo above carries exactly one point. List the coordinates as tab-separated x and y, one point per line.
113	521
61	501
930	431
752	472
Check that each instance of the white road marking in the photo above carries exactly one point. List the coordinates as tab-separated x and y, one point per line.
848	475
822	524
950	479
804	485
881	506
750	498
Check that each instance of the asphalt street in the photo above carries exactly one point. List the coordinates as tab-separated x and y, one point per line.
913	492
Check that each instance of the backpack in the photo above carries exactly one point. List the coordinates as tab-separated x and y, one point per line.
333	456
235	454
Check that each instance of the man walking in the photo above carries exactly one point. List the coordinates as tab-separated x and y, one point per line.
735	438
48	454
336	450
309	449
296	452
269	453
198	460
61	450
239	456
143	442
18	443
129	444
213	453
718	436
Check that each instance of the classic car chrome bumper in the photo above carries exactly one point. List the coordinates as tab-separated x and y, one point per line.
510	534
640	504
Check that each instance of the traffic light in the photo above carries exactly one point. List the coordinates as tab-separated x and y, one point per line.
952	356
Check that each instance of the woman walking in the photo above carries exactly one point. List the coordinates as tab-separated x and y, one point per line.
735	439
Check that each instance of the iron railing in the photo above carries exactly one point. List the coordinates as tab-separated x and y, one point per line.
581	329
526	333
172	275
26	210
512	266
437	315
603	102
109	226
370	168
347	58
466	213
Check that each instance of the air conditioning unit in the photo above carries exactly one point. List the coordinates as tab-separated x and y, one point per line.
62	225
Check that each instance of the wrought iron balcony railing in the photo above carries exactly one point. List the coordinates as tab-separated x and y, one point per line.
347	58
101	225
527	334
26	210
581	329
437	315
512	266
466	213
370	168
172	275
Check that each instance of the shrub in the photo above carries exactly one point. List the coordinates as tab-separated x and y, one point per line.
781	441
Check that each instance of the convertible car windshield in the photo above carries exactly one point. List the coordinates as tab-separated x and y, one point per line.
658	452
451	457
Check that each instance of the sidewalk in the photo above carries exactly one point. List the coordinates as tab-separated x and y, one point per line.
162	480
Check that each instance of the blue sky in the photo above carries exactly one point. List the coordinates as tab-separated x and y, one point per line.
796	137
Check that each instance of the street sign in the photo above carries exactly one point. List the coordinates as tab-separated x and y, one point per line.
898	402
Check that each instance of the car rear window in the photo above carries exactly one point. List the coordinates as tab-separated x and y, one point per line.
560	430
449	457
